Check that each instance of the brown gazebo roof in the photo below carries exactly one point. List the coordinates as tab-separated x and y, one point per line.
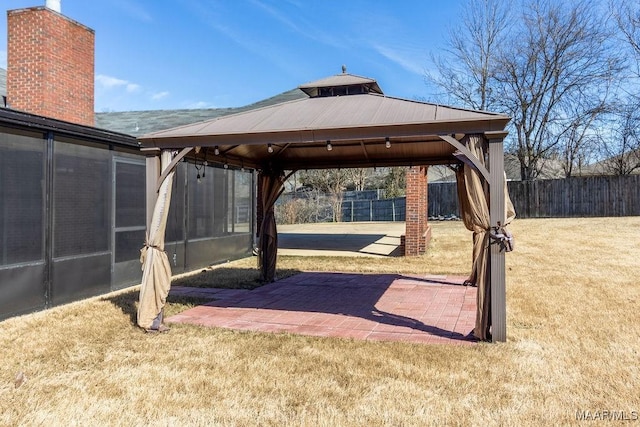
356	125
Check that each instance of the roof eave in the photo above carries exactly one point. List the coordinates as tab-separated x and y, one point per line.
403	130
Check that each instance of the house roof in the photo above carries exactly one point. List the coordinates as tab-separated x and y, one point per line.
295	134
22	120
137	123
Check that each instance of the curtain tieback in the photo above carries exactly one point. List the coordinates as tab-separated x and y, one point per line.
503	237
145	248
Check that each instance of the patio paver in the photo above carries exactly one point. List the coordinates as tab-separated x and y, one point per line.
382	307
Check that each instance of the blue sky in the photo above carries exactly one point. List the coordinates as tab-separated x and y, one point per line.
167	54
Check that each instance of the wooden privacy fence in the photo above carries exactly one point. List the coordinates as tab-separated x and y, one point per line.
577	196
594	196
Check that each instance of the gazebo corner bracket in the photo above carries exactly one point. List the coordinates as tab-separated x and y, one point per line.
466	156
172	165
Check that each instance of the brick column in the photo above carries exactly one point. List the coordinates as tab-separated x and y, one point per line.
418	232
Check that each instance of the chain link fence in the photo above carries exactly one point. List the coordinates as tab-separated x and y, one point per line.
359	206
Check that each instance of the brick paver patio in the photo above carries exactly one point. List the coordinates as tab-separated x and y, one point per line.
386	307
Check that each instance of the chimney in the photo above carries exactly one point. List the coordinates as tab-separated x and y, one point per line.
54	5
50	64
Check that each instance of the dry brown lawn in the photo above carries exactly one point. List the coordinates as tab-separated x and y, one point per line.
573	349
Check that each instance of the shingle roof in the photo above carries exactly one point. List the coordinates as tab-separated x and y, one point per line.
138	123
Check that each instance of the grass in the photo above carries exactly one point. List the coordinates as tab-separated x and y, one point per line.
573	327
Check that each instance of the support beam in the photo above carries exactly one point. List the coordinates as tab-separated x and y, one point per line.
466	156
497	216
172	165
364	150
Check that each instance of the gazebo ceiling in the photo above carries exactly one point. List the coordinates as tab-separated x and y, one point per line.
363	127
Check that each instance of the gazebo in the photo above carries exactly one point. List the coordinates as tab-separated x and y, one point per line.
344	121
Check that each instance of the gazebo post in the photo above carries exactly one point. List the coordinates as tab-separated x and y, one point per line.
497	215
152	176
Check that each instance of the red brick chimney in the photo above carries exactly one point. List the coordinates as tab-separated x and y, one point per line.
50	65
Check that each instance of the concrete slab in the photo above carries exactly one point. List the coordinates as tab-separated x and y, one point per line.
371	239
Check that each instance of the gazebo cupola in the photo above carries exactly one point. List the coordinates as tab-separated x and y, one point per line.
341	85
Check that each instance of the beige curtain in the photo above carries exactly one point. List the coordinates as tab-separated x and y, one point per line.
156	270
473	196
271	185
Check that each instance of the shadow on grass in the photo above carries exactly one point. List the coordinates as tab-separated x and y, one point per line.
229	278
128	303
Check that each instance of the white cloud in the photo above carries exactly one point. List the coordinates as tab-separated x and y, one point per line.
109	82
159	95
278	16
200	104
302	25
134	10
410	61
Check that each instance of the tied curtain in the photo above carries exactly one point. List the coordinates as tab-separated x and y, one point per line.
271	186
156	270
473	196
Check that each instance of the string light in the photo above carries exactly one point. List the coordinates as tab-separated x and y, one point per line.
387	143
269	148
216	150
329	146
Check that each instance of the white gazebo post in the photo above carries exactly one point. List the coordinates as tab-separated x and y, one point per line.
497	216
153	174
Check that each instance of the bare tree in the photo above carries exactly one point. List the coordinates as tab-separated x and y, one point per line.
465	70
329	181
395	182
561	56
576	137
618	138
627	17
620	142
358	178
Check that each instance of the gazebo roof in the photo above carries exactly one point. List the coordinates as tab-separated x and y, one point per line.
295	134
